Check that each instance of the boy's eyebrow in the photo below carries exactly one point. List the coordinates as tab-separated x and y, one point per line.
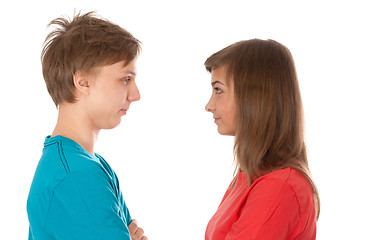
215	82
131	72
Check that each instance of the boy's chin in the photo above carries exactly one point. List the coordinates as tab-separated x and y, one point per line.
111	125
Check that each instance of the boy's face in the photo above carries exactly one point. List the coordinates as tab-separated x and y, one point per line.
112	90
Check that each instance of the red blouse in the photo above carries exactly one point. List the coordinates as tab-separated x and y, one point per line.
278	205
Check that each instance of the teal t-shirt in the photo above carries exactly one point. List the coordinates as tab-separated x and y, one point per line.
75	195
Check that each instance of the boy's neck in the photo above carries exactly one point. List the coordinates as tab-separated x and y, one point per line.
73	124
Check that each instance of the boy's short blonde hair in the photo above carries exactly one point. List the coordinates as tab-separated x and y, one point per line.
82	44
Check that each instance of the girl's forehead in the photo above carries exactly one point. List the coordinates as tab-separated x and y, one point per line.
222	75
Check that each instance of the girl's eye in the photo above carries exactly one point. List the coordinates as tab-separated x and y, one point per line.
217	90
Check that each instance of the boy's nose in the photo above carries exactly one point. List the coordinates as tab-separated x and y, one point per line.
134	94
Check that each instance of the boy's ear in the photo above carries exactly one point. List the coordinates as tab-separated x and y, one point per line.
81	82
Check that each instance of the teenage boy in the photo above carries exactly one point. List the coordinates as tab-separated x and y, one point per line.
89	68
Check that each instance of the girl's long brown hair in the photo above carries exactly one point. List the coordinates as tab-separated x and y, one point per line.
270	123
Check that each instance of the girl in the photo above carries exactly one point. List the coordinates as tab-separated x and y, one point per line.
256	98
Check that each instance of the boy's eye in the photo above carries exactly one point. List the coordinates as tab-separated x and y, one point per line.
126	79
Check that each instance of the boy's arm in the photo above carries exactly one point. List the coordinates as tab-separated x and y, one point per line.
86	206
136	232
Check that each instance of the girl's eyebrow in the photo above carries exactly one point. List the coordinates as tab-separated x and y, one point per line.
215	82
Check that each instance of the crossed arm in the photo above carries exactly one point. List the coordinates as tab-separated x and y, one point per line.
136	233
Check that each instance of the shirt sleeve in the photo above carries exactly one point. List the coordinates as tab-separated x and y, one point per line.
271	212
126	211
85	205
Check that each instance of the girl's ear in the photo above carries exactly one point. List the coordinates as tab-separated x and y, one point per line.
81	81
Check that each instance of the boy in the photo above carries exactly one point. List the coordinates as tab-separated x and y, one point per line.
89	68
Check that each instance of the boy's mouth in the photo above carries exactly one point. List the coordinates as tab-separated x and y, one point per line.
123	111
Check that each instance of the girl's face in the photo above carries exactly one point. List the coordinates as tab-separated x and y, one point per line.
222	102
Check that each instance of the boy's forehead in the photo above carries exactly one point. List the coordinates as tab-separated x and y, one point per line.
122	67
130	68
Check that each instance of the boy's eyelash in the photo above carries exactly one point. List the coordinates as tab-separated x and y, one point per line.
126	79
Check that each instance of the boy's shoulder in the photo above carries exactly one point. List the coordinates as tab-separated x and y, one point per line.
65	154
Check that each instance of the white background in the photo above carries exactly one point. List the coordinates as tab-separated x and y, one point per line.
172	164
